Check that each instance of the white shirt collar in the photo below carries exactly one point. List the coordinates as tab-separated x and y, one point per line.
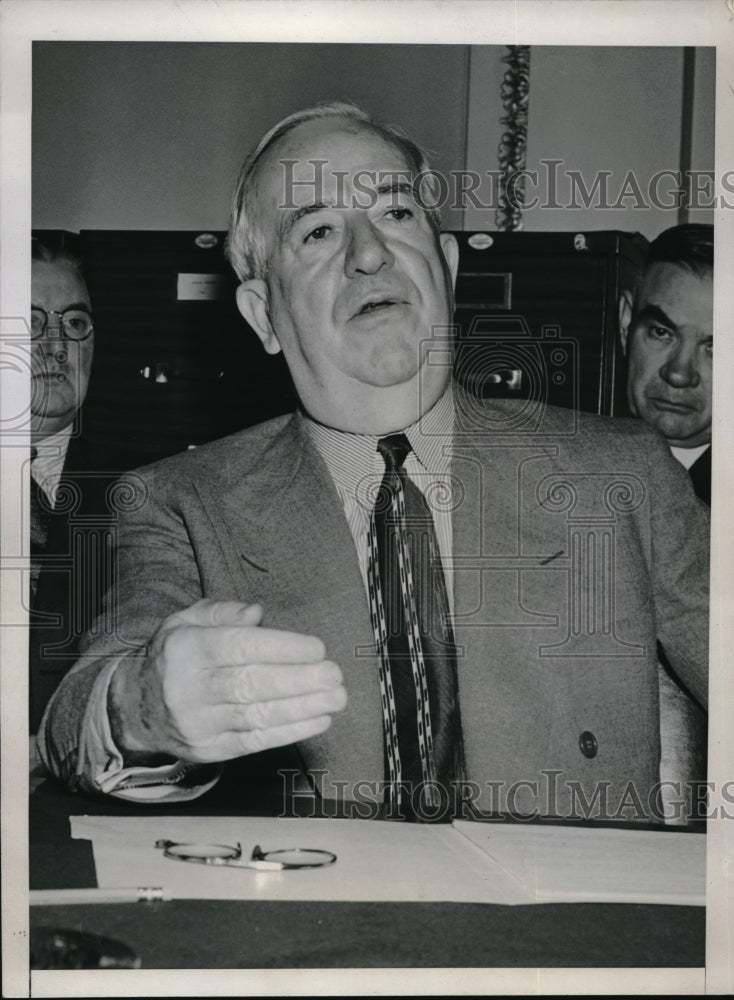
687	456
351	457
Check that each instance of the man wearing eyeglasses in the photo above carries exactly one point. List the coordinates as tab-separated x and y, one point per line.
62	345
62	348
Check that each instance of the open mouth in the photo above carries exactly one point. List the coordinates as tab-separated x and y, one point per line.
376	305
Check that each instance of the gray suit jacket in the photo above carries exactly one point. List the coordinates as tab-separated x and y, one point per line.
577	542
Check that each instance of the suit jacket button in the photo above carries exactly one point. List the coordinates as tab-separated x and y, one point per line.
588	744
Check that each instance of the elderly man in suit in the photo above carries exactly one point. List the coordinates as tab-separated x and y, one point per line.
440	603
666	328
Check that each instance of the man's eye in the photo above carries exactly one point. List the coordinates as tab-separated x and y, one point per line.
401	214
317	234
659	332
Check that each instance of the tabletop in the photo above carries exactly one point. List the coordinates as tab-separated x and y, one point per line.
203	934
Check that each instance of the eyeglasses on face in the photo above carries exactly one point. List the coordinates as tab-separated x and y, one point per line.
74	324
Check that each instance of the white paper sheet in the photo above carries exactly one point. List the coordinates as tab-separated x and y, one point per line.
398	862
571	864
392	862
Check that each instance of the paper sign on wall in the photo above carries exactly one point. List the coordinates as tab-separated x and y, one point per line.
199	286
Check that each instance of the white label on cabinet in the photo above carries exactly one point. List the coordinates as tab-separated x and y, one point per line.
199	286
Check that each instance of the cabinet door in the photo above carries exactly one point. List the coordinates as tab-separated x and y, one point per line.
538	317
175	363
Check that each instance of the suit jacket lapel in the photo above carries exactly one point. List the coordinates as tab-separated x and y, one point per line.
291	549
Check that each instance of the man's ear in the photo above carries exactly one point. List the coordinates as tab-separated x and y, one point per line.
252	302
625	317
451	252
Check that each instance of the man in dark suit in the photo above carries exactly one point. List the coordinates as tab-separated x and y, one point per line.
70	521
666	327
438	602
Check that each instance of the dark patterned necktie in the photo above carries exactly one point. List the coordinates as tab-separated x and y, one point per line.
40	516
410	614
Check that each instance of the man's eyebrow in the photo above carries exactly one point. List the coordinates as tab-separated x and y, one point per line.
72	305
651	311
290	220
396	187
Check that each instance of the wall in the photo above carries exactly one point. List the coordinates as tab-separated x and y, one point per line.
151	136
616	110
702	120
598	109
484	129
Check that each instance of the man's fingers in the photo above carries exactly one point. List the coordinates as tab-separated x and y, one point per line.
255	740
207	613
268	682
249	615
232	645
283	712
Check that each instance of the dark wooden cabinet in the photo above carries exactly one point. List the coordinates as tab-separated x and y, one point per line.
538	315
176	365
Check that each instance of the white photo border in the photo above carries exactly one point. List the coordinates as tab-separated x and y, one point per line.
466	22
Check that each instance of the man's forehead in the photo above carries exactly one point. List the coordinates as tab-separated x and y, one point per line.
676	282
58	277
316	161
685	295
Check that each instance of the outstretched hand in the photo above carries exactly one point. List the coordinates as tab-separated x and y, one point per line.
216	685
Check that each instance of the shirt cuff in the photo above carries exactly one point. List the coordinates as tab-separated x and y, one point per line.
102	764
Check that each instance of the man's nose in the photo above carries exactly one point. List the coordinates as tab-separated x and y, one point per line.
52	341
52	349
680	369
367	250
53	330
